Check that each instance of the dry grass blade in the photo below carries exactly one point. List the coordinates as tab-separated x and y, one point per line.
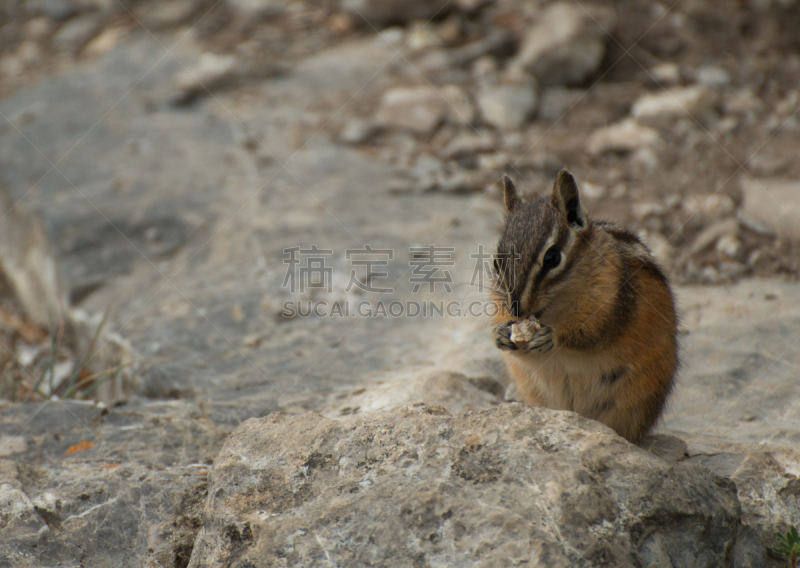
89	384
69	387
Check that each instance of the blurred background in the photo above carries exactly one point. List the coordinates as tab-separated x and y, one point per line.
160	161
157	157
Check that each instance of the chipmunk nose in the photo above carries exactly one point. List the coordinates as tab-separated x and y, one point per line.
515	308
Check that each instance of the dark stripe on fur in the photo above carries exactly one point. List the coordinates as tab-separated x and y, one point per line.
576	252
622	235
625	304
651	268
613	376
601	407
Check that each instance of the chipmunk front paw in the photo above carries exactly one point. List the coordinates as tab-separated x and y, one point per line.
542	341
530	336
501	333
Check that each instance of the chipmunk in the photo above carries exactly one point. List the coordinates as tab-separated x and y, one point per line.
585	316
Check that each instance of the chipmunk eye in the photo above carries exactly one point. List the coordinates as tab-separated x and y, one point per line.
552	258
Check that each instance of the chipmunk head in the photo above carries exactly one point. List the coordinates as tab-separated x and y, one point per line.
538	248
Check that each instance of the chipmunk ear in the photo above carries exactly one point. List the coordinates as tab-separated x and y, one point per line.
566	199
510	195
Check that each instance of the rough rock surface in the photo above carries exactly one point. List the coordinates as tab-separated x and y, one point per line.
736	403
492	488
99	489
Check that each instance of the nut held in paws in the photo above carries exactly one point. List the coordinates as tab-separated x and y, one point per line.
523	331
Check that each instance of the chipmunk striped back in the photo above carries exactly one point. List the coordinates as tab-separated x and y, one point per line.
594	309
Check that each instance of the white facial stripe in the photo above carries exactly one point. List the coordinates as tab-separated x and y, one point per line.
537	267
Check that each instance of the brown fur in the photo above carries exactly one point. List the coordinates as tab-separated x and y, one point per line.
607	305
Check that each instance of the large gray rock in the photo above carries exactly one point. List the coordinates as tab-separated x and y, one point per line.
567	43
454	391
417	486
